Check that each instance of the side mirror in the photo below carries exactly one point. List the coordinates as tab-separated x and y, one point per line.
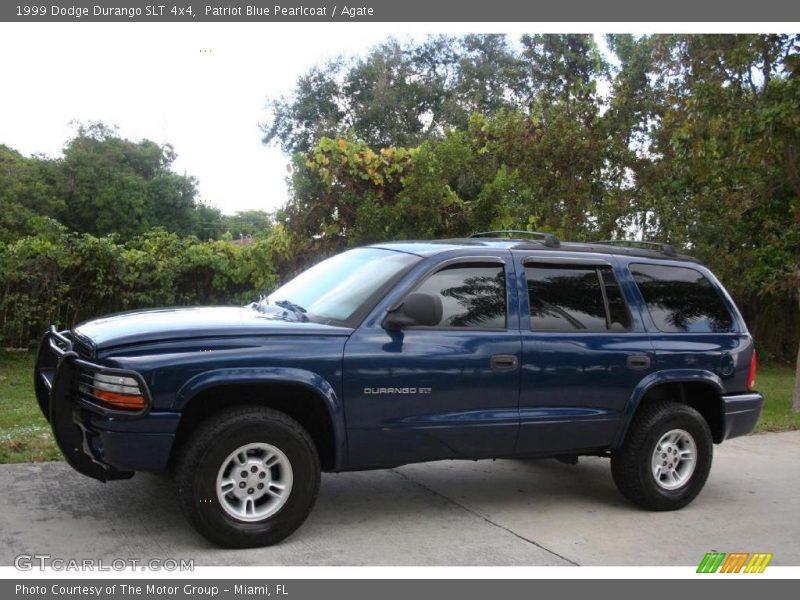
417	309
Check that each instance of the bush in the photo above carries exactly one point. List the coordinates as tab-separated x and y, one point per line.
63	278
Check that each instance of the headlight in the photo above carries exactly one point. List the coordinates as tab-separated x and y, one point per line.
118	391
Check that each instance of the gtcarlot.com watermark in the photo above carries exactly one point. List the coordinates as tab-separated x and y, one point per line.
41	562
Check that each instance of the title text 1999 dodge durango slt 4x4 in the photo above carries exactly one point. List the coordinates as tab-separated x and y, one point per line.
485	347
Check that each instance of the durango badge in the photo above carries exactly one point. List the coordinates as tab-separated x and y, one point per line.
397	390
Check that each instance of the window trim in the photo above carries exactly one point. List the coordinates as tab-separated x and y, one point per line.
631	325
490	261
604	294
598	265
736	327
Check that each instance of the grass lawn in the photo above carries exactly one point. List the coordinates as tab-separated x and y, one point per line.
777	385
25	435
24	432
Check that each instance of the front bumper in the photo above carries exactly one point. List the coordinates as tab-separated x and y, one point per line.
99	442
740	413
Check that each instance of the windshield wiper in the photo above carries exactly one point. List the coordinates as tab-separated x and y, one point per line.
295	308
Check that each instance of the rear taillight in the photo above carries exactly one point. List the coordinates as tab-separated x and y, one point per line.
751	374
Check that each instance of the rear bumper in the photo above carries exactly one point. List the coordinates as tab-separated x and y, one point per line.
740	413
97	442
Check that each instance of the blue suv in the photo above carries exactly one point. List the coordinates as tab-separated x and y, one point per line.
505	344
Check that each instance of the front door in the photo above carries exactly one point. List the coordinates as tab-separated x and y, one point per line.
448	391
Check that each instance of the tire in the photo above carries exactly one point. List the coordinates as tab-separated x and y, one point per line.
283	475
678	428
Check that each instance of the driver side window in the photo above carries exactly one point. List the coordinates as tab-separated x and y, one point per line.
473	295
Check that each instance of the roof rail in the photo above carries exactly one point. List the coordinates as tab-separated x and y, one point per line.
550	240
665	249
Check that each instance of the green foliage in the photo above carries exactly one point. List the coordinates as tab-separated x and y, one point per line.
104	184
110	227
510	170
247	223
26	191
64	278
399	94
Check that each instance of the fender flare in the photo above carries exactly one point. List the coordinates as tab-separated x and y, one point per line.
282	375
659	378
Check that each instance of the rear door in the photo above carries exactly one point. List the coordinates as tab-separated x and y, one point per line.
692	322
583	352
448	391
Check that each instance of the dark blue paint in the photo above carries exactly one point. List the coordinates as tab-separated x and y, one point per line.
190	323
471	410
572	393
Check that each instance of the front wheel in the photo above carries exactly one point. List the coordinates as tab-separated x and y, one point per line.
666	457
248	477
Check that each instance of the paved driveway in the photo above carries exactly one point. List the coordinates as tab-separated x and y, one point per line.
506	512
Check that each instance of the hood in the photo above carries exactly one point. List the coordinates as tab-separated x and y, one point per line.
194	322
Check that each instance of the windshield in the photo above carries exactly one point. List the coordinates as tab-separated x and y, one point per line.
338	287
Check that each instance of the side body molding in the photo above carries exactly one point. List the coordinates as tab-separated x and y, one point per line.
285	375
658	378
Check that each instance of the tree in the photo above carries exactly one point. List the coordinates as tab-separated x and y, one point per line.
398	94
247	223
110	184
564	70
26	191
726	109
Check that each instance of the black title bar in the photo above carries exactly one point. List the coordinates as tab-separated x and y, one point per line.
707	11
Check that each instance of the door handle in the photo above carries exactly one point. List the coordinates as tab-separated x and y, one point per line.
504	362
637	361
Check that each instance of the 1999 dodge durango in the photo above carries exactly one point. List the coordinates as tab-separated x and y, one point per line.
505	344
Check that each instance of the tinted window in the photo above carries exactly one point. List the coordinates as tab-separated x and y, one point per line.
473	295
681	300
575	298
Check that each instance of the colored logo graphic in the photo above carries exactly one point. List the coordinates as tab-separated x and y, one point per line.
735	562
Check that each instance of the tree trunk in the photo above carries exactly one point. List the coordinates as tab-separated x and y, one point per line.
796	399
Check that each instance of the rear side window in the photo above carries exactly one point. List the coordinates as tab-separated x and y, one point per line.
681	300
575	298
473	295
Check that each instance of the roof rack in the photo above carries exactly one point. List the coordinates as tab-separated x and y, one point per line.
665	249
550	240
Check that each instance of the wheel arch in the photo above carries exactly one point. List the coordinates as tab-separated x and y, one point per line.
700	389
303	395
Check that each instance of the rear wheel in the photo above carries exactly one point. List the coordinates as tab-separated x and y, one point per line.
249	476
666	457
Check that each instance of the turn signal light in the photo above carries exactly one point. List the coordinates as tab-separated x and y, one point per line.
123	401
